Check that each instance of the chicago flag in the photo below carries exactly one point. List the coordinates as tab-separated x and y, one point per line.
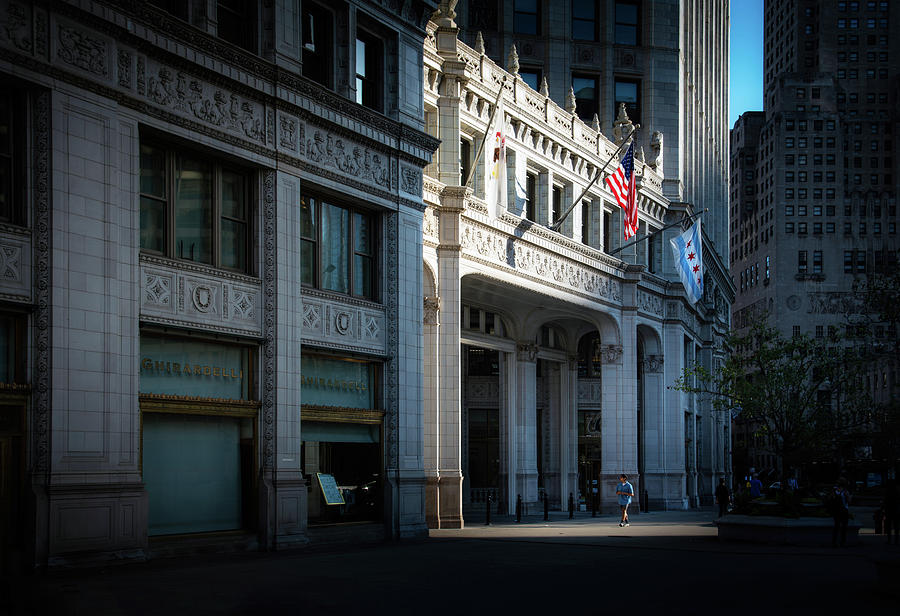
689	261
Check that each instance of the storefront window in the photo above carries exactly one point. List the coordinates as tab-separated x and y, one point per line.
341	432
198	435
12	348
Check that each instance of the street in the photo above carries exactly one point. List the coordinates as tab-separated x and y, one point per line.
667	562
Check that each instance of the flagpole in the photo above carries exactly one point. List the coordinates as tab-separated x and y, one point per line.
649	235
486	133
555	226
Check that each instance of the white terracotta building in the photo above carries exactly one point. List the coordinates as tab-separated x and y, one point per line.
548	360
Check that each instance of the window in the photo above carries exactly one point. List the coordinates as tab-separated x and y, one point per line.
556	205
584	20
13	149
526	17
586	96
789	227
194	207
465	159
848	261
338	247
848	228
817	262
801	261
531	196
369	53
817	210
586	228
629	92
817	228
627	23
861	261
795	331
801	210
236	22
789	210
788	142
829	227
531	76
317	45
801	228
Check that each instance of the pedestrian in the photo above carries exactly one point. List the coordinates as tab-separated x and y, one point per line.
840	512
755	486
722	497
624	492
892	512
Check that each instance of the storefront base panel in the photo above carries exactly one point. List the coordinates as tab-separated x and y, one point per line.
450	508
432	500
169	546
97	523
357	533
291	511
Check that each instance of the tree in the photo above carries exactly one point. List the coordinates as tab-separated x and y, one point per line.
802	393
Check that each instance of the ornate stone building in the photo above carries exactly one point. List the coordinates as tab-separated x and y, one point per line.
210	229
548	359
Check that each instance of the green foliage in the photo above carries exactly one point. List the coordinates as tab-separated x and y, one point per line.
800	392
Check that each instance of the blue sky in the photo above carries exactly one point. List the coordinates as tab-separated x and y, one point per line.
746	58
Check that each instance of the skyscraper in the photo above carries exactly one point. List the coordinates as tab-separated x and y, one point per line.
814	177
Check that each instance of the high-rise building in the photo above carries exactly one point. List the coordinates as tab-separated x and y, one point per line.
549	345
814	177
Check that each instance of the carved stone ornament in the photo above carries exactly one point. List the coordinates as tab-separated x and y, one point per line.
611	353
10	262
653	363
81	50
42	273
269	352
350	159
430	309
411	180
17	26
525	257
512	61
288	130
623	126
225	110
526	351
124	65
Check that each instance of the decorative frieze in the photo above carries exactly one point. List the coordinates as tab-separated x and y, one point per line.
524	257
350	159
82	50
649	303
15	267
191	97
337	324
482	390
170	294
590	392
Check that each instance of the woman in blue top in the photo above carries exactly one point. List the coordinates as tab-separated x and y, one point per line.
625	492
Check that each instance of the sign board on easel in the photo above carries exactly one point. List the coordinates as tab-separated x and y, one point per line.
330	491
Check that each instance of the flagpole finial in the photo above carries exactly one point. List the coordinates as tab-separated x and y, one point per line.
545	89
570	101
512	60
479	43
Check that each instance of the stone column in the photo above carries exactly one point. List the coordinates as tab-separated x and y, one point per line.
554	412
431	410
508	428
619	436
568	433
653	479
449	496
526	419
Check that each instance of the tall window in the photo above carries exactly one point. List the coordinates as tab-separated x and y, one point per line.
369	53
465	157
13	151
629	92
817	262
587	96
586	222
556	205
531	196
237	22
194	207
526	16
337	247
317	45
801	261
584	20
627	23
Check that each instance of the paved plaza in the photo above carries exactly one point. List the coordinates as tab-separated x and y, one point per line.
667	562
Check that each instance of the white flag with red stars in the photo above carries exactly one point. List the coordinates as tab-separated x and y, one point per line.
689	261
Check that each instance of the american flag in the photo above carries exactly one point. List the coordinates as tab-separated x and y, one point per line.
621	183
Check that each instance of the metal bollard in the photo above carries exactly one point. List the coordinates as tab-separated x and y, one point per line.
571	506
546	508
518	508
594	504
487	509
